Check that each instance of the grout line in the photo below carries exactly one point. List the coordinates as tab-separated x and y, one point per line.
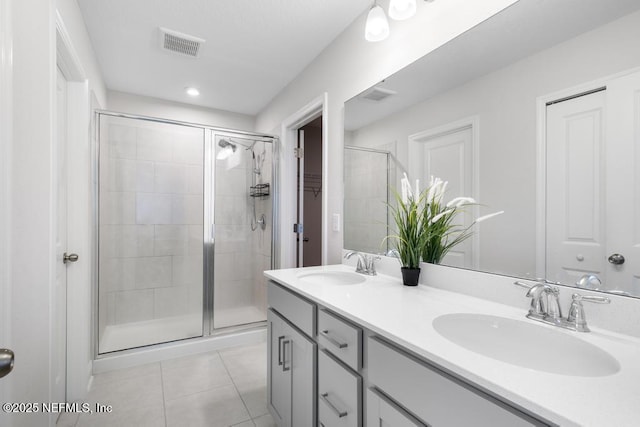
236	387
164	402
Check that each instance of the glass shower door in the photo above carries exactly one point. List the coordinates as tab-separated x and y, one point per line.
243	221
150	259
366	199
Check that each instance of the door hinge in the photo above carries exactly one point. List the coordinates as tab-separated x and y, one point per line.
298	152
298	228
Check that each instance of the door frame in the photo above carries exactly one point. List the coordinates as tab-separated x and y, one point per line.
541	153
288	180
6	118
79	275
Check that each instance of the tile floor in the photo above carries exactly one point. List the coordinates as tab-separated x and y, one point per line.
222	388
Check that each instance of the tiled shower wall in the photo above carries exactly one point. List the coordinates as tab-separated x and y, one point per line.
151	221
365	198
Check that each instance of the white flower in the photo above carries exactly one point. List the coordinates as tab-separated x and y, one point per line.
441	214
482	218
441	191
459	201
434	190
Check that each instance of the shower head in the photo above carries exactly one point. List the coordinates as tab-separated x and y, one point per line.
224	143
228	148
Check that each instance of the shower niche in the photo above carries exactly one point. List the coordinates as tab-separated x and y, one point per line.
183	237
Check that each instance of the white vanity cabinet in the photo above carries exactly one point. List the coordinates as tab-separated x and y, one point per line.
291	368
330	371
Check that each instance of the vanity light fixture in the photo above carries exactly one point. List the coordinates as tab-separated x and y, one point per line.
400	10
377	27
192	91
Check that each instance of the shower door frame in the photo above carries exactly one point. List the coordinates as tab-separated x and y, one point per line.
209	170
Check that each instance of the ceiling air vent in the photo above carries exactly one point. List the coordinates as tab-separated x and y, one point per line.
377	94
177	42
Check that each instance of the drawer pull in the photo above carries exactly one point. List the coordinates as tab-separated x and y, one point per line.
280	338
285	368
339	413
333	341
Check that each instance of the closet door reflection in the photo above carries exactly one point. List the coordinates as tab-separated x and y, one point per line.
243	222
150	259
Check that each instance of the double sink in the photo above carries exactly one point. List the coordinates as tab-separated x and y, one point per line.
518	342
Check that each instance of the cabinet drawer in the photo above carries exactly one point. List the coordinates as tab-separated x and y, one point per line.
340	338
339	394
295	309
437	398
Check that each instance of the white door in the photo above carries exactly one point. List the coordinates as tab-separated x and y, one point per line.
575	184
449	156
593	189
59	312
623	184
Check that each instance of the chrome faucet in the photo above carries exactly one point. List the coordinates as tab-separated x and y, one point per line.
576	318
544	302
545	306
366	263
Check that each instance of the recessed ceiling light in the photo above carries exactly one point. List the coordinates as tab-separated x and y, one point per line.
192	91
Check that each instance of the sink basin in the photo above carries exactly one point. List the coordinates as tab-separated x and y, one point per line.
332	277
525	344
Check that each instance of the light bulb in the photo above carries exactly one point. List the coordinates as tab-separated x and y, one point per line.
377	27
402	9
192	91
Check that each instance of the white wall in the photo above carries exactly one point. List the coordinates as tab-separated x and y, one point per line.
350	64
154	107
505	102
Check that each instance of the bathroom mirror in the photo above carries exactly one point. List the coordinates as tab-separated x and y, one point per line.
482	112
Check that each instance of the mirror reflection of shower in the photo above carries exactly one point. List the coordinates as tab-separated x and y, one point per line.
258	188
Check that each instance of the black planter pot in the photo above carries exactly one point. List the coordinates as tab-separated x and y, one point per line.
410	276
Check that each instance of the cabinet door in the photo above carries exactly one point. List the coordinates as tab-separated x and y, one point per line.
299	357
279	379
383	413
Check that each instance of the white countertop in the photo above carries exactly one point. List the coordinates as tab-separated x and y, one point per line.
404	315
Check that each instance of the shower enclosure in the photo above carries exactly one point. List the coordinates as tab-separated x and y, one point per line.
184	230
368	174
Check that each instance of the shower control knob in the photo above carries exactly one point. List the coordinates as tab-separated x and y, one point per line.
616	259
69	258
